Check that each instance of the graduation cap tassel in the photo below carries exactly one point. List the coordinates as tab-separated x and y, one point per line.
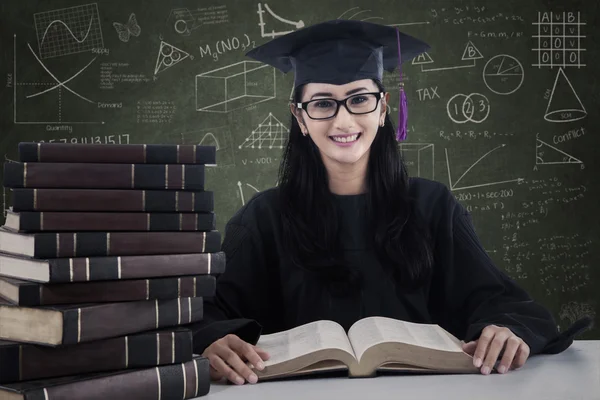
402	118
402	103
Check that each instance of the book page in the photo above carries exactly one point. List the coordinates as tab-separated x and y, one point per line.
374	330
304	339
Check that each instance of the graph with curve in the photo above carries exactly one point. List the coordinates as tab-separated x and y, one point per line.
68	30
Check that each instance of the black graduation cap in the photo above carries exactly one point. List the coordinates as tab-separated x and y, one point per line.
341	51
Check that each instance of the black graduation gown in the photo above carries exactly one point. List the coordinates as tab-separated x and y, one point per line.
260	291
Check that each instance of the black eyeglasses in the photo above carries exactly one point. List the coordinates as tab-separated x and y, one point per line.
362	103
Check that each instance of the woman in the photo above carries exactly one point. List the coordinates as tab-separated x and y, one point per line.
347	234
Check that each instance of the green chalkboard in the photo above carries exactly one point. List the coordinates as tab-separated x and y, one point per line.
503	109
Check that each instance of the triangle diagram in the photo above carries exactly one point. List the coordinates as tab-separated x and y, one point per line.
471	52
168	56
548	154
269	134
564	104
423	58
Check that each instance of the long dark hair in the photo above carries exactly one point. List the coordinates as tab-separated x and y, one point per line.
309	218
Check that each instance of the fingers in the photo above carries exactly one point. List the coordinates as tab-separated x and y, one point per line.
215	375
221	366
498	342
228	357
231	355
521	357
482	346
510	350
262	353
470	347
495	347
208	353
249	352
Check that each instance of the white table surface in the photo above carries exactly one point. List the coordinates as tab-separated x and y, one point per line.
571	375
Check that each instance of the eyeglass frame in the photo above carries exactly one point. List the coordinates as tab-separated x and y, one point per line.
303	105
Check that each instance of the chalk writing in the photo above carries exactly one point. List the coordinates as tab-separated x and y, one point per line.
472	134
495	35
122	138
223	46
155	112
109	77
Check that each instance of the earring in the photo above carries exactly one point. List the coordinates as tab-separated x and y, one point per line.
382	123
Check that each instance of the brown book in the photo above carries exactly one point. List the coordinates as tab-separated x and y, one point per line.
86	269
117	153
25	362
104	176
372	345
174	381
78	323
31	294
59	221
111	200
93	244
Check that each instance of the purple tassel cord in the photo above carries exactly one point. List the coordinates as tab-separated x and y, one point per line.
402	117
402	103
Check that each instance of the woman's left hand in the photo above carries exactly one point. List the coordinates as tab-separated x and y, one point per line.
497	341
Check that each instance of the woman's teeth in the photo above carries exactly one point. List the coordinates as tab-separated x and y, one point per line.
345	139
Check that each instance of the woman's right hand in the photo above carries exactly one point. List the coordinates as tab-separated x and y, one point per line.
227	359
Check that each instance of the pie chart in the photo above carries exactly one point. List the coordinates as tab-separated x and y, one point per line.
503	74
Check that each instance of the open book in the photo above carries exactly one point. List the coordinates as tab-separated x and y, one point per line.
372	344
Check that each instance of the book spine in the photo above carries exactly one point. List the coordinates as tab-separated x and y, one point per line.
37	294
176	381
85	269
103	321
23	362
39	221
91	244
104	176
117	153
112	200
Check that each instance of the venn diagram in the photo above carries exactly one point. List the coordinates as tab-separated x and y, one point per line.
463	108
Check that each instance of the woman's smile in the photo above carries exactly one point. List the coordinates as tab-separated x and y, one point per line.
345	140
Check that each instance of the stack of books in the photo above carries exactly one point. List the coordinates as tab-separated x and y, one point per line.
105	256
